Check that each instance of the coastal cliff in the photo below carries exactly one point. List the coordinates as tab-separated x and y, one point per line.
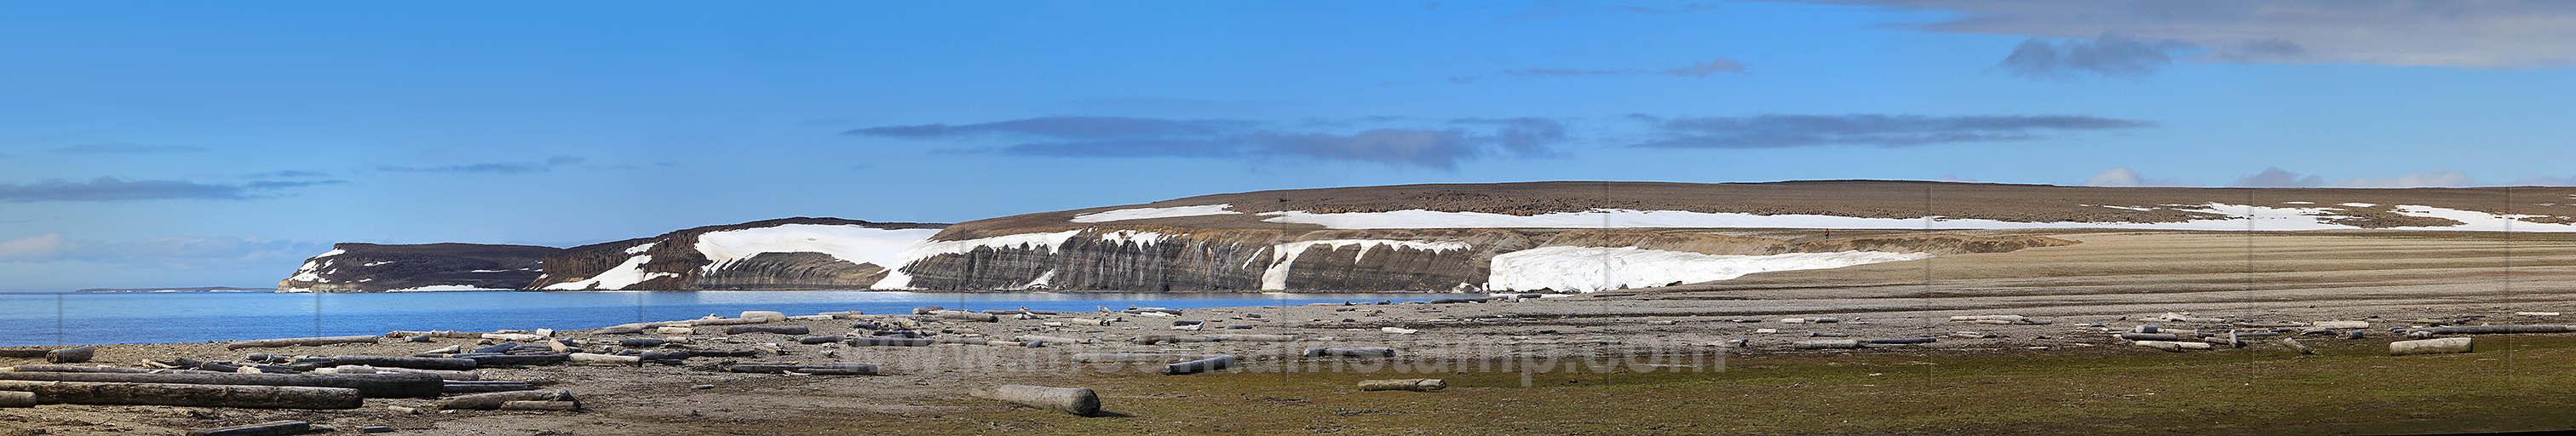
789	253
363	267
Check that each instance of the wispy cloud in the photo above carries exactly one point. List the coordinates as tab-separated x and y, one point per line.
2108	55
1441	145
1697	69
113	189
183	253
550	164
2441	33
125	148
2123	177
288	174
1784	131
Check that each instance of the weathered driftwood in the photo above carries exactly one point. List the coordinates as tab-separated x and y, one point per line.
1254	338
2174	346
779	329
1050	339
889	342
475	387
2294	345
493	400
71	355
969	316
641	343
1410	384
1925	340
2430	346
540	405
2151	336
24	352
515	359
1198	366
619	331
436	334
369	385
290	342
65	368
2004	318
1824	345
1350	351
811	340
432	363
2341	324
18	399
763	315
2487	329
673	330
724	353
1140	357
1077	401
189	395
604	359
825	369
960	340
271	428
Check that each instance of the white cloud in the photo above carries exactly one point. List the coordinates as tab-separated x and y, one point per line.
2124	177
35	247
2439	33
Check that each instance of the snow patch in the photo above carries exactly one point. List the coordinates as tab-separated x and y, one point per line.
1276	277
2360	204
849	243
1154	212
1591	269
312	269
2475	220
615	278
640	249
379	263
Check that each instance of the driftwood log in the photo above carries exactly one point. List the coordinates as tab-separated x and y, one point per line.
188	395
1924	340
1217	363
431	363
65	368
1077	401
271	428
811	340
1410	384
290	342
541	405
18	399
1254	338
369	385
515	359
825	369
2296	346
890	342
1050	339
604	359
23	352
476	387
2488	329
493	400
2430	346
71	355
363	369
779	329
1826	345
1350	351
969	316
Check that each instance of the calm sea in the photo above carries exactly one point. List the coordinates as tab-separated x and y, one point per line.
170	317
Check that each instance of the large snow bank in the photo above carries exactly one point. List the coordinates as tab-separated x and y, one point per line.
618	277
1582	269
1276	277
849	243
1154	212
2262	218
311	272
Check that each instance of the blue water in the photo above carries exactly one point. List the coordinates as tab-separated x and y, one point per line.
142	318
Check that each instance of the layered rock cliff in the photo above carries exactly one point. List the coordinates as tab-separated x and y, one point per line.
790	253
363	267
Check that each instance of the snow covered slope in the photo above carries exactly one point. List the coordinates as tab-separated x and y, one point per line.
792	253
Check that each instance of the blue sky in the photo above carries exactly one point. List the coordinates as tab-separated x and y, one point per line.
218	144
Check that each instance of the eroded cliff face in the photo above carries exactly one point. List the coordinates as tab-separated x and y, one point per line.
362	267
790	253
1162	258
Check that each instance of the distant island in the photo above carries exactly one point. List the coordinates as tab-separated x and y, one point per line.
196	289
